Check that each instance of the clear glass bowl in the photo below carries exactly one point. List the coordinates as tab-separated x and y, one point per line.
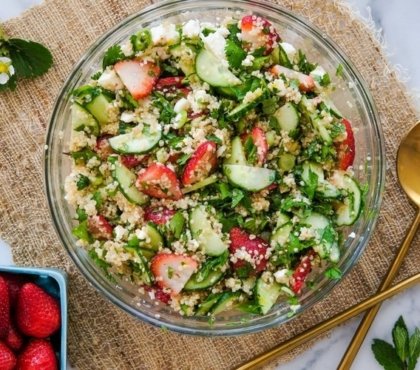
355	103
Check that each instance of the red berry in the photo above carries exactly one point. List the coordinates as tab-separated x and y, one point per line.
99	227
131	161
14	339
160	295
14	282
103	148
38	355
201	164
159	181
258	32
346	150
255	248
158	216
169	82
302	271
7	358
37	313
4	308
306	83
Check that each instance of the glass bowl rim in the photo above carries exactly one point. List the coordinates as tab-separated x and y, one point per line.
377	197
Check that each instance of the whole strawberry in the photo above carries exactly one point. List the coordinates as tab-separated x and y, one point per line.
7	358
14	282
4	308
14	339
37	313
38	355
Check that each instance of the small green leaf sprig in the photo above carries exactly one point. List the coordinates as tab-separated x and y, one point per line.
21	59
403	355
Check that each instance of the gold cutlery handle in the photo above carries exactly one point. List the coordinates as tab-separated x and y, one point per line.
324	326
367	320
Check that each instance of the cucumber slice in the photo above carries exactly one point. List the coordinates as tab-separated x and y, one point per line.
82	120
348	211
210	280
267	294
332	108
227	92
156	239
287	161
287	117
134	142
249	178
237	153
321	129
99	107
324	188
185	57
201	184
148	254
226	302
281	235
282	219
212	70
205	306
202	230
126	180
240	110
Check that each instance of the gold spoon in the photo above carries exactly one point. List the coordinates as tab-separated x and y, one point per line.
408	168
324	326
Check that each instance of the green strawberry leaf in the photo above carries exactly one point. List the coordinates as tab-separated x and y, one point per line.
414	349
400	338
386	355
30	59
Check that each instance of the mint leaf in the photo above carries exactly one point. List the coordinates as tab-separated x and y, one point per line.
237	196
333	273
113	55
400	338
386	355
234	54
30	59
414	349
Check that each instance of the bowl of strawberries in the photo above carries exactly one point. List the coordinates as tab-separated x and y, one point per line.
33	318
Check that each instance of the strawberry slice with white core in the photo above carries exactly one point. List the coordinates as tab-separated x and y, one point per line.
306	83
159	216
102	147
258	32
172	271
99	227
302	271
346	150
138	77
201	164
159	181
260	141
248	250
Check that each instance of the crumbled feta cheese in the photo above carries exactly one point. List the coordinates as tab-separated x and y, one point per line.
282	276
191	29
181	105
247	62
164	34
289	50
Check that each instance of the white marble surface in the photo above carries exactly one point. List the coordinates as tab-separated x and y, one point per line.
400	28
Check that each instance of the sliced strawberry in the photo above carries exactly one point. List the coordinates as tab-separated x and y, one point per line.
272	187
260	141
14	282
302	271
159	216
174	157
14	339
184	91
131	161
99	227
138	77
306	83
172	271
160	182
201	164
160	295
253	247
7	358
38	355
103	148
258	32
192	116
4	308
169	82
346	150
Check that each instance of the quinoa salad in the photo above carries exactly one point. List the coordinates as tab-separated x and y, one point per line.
210	167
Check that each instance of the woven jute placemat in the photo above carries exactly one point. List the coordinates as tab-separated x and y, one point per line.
101	336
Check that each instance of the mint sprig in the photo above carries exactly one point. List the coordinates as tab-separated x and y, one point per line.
21	59
403	355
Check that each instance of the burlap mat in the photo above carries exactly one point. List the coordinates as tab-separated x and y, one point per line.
101	336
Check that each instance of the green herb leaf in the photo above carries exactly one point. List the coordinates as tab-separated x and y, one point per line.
339	71
81	232
82	182
165	108
400	338
237	196
81	214
176	225
386	355
333	273
250	150
29	58
212	264
311	184
414	349
303	64
183	159
234	54
113	55
215	139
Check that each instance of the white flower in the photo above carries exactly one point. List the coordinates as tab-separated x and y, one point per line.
6	70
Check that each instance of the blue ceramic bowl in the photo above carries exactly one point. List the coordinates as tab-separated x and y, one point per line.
54	282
